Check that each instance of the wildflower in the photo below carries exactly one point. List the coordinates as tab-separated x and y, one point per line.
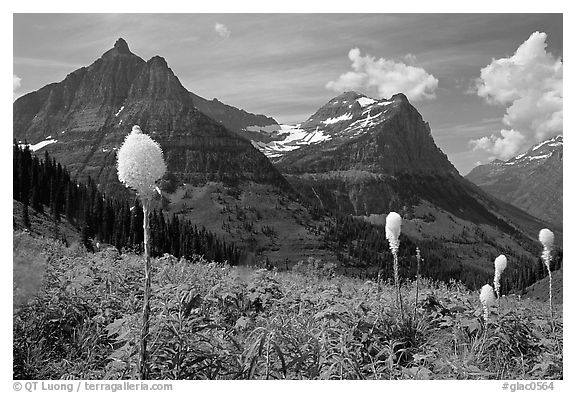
499	266
393	224
487	299
140	163
546	237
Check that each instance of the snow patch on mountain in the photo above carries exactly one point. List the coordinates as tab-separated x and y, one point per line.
365	101
41	144
347	116
293	137
332	120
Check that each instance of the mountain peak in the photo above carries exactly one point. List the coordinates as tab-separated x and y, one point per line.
348	95
122	46
159	61
399	97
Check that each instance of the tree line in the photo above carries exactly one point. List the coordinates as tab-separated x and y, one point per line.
363	246
47	187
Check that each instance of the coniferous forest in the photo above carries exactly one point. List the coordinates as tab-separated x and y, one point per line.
45	184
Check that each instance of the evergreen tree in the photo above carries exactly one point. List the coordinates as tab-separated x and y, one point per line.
25	216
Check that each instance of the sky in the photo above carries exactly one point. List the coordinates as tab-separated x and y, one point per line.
489	85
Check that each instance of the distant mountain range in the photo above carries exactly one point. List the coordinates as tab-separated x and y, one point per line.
355	156
531	181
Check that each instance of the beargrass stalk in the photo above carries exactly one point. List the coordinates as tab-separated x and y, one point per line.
417	281
140	165
487	299
393	225
499	265
546	237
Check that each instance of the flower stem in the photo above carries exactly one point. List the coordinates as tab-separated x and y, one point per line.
417	279
397	282
143	367
550	292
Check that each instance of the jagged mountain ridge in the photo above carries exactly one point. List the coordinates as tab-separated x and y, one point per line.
87	115
348	117
234	119
531	181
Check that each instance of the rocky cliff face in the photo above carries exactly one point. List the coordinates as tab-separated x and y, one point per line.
531	181
86	116
378	136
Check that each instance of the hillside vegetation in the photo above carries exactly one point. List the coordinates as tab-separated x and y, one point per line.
77	315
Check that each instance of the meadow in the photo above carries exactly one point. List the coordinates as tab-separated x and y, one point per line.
77	315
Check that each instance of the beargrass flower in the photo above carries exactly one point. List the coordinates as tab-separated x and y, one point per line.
546	237
140	163
487	299
499	265
393	225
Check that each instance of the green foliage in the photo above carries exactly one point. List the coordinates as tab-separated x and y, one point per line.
214	321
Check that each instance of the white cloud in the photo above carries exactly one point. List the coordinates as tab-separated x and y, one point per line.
410	59
529	84
222	30
385	78
17	82
505	146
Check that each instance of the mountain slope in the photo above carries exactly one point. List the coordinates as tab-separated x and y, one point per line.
87	115
217	178
531	181
367	157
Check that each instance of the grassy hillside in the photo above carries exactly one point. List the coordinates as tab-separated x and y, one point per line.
540	289
77	315
255	217
44	225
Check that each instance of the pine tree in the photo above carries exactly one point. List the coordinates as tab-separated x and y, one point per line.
25	216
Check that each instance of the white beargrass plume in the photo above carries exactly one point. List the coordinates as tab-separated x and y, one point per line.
393	224
499	266
140	165
487	299
546	237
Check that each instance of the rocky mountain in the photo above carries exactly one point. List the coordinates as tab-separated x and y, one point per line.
354	117
216	177
83	119
531	181
366	157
